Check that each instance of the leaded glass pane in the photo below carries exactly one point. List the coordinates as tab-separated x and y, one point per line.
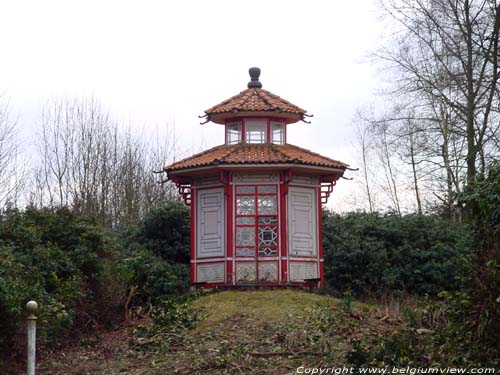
278	133
245	189
267	251
267	220
255	131
267	236
245	236
245	252
233	133
267	189
245	205
245	220
267	205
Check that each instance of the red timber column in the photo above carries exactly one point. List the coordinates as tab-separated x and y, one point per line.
284	179
193	236
229	193
320	237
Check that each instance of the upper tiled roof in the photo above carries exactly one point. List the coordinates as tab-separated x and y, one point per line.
266	153
255	100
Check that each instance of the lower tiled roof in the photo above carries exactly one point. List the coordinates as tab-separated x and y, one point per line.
242	153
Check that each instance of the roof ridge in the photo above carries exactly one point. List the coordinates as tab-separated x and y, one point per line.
280	98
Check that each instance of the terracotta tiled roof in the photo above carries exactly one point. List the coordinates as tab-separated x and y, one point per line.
255	100
255	153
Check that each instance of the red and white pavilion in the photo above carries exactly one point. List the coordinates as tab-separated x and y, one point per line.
256	199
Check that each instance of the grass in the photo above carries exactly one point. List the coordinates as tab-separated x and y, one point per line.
240	332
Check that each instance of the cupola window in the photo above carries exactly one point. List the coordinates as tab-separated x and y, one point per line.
233	133
255	131
277	133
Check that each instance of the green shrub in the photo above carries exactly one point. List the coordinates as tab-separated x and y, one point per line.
164	231
60	260
157	253
154	277
375	254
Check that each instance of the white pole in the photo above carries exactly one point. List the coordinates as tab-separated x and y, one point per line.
31	307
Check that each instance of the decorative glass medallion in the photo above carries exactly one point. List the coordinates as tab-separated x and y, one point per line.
267	220
267	236
245	236
267	251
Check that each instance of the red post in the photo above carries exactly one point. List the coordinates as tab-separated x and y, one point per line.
193	235
283	226
229	228
320	239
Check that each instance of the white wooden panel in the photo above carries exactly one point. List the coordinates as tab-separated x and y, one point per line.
210	223
299	271
210	273
302	222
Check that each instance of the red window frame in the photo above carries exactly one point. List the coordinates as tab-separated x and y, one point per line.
256	225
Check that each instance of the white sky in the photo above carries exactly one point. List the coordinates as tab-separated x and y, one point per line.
153	63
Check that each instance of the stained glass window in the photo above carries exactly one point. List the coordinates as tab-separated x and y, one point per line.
268	236
245	189
245	205
245	236
267	205
245	252
245	220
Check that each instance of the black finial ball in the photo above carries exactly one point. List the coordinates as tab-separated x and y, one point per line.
254	76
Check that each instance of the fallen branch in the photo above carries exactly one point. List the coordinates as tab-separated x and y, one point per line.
272	354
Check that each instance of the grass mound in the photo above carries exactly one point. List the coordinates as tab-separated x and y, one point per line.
250	332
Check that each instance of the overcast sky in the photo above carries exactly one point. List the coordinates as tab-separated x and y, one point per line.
153	63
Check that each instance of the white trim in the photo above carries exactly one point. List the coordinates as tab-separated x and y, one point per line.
210	260
260	259
303	259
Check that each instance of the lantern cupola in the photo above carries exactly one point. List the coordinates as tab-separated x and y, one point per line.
256	199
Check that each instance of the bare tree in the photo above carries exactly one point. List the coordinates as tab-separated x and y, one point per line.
90	165
445	58
10	176
364	144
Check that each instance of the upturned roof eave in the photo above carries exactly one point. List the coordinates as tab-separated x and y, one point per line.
256	166
222	117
